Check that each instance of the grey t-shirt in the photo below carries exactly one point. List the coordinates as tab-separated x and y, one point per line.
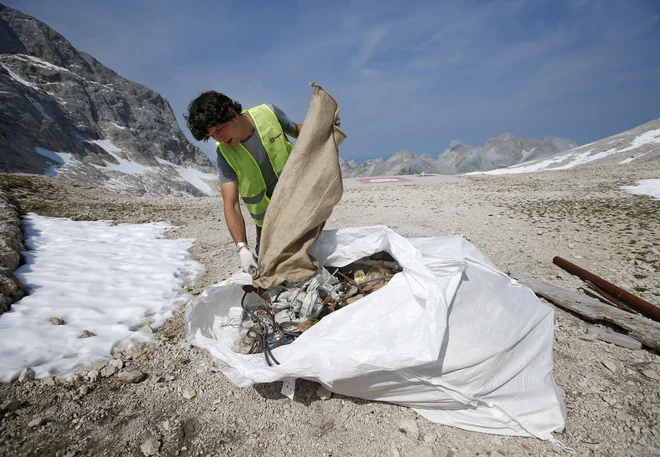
255	147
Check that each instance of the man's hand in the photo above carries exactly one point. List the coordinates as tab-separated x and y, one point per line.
248	260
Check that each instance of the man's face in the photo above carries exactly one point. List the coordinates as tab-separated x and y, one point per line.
227	132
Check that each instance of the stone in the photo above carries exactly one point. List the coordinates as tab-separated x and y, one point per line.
609	365
131	376
323	393
148	329
27	374
117	363
108	371
651	374
409	427
618	339
94	376
189	393
48	381
37	421
57	321
10	406
84	390
86	334
150	447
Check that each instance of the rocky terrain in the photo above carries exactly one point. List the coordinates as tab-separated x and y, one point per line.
500	152
167	398
61	108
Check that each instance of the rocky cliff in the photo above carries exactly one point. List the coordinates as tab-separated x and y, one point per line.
63	112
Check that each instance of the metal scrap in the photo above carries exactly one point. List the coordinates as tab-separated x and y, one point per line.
279	315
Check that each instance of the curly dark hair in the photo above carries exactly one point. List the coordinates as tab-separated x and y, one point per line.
209	109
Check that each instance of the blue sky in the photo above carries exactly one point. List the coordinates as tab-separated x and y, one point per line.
408	75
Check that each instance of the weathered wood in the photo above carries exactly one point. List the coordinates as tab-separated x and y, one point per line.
644	330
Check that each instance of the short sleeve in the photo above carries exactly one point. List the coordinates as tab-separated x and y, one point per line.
225	171
287	124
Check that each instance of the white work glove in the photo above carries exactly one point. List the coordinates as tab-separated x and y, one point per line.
248	260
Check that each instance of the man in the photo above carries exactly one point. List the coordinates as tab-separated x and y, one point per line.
252	149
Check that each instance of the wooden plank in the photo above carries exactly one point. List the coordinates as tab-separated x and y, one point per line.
639	327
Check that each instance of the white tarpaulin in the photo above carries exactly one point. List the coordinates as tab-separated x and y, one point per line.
451	337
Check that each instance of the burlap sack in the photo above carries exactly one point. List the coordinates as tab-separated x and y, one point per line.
309	187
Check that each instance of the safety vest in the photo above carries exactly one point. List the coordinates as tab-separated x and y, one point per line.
251	184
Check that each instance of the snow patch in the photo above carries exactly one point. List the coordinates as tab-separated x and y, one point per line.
645	187
650	137
19	79
193	176
110	280
42	63
58	158
125	166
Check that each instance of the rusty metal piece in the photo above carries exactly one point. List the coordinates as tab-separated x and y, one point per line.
632	301
613	300
598	297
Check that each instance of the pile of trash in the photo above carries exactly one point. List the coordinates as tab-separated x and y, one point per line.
280	314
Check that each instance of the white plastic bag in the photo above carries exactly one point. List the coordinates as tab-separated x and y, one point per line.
451	336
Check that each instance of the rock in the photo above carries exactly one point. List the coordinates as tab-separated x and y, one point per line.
108	371
409	427
10	406
651	375
166	425
131	376
37	421
618	339
150	447
189	393
26	375
73	100
430	438
94	376
609	365
48	381
148	329
323	393
117	363
57	321
84	390
86	334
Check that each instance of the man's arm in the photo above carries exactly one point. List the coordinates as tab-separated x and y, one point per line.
298	129
233	215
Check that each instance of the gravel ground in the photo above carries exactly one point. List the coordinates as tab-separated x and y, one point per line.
612	394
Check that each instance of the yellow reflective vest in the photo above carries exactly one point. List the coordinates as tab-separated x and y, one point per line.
251	184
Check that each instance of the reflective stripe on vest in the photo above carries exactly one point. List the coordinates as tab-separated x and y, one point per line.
251	184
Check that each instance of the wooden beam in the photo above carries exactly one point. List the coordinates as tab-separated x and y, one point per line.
638	327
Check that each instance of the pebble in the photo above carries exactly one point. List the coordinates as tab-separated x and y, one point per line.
323	393
609	365
189	393
150	447
131	376
94	375
651	374
86	334
27	374
57	321
37	421
409	427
